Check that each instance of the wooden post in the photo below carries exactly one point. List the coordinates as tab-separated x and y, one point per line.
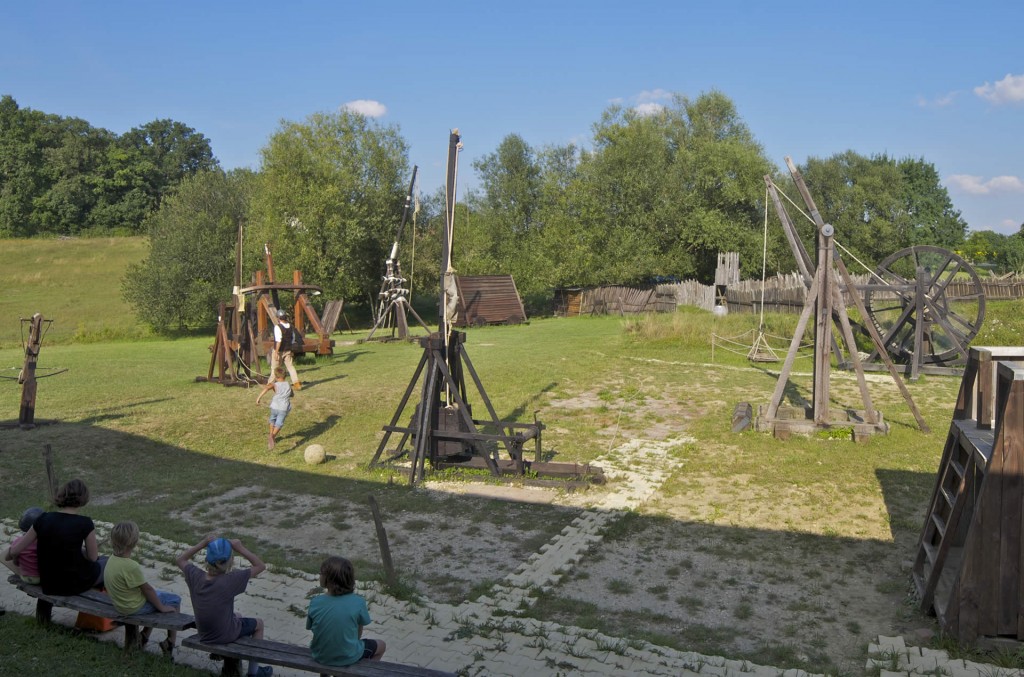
882	353
823	329
919	295
803	261
298	317
51	476
26	416
382	539
261	320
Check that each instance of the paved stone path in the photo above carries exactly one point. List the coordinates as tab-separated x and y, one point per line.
486	636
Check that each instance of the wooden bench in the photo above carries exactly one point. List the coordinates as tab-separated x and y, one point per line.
299	657
98	604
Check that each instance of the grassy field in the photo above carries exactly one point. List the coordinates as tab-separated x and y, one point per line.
789	535
59	652
76	283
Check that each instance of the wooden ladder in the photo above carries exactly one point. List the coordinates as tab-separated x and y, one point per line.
953	493
969	567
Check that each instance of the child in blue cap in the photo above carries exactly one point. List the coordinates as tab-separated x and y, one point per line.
213	594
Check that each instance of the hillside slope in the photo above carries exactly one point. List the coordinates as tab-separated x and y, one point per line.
74	282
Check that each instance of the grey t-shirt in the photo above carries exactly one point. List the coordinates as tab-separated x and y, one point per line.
282	396
213	603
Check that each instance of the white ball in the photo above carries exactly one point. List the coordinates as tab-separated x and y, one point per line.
315	454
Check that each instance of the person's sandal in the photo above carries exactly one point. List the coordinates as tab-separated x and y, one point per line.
166	648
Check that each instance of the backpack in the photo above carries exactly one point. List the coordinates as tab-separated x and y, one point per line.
292	340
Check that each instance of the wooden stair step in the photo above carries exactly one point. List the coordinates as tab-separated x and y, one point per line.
950	496
930	552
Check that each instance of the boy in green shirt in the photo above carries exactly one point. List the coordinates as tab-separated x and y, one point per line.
127	586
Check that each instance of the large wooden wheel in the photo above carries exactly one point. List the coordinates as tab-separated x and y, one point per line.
927	303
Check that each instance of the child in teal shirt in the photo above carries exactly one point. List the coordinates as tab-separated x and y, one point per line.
337	618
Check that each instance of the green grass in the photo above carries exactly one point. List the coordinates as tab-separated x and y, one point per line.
27	649
76	283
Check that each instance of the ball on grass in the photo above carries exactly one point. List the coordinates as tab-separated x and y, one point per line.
315	454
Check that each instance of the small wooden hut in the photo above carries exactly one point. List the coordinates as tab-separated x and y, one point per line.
488	299
568	301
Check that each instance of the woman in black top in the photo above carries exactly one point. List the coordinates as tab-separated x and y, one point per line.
68	553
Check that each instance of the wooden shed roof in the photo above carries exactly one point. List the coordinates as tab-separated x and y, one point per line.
489	299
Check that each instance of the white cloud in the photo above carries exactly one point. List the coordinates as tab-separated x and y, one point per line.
367	107
976	185
652	96
940	102
650	108
1008	90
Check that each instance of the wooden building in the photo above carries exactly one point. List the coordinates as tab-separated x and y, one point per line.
488	299
970	559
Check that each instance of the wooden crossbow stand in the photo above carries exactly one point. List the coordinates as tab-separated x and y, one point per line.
393	299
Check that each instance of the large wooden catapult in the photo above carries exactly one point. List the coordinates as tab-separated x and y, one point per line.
826	301
245	326
442	428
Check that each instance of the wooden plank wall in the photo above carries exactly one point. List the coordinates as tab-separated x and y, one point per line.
488	299
986	600
621	300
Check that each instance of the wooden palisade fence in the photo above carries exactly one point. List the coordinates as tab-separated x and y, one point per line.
783	293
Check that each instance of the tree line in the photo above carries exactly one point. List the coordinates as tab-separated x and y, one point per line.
652	197
62	176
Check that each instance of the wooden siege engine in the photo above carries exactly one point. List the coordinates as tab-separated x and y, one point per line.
442	428
245	326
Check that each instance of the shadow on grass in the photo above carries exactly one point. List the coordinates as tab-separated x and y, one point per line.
315	430
765	595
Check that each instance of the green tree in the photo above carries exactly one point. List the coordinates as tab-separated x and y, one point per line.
191	262
926	208
662	194
69	165
879	205
140	167
63	176
504	214
1015	251
166	152
46	165
331	194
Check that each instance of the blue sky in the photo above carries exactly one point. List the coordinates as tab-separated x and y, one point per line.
937	80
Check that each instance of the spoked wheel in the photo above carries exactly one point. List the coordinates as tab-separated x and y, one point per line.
927	303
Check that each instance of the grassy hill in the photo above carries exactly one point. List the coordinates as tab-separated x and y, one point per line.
76	283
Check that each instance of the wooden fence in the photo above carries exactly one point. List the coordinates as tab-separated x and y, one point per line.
618	300
782	294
